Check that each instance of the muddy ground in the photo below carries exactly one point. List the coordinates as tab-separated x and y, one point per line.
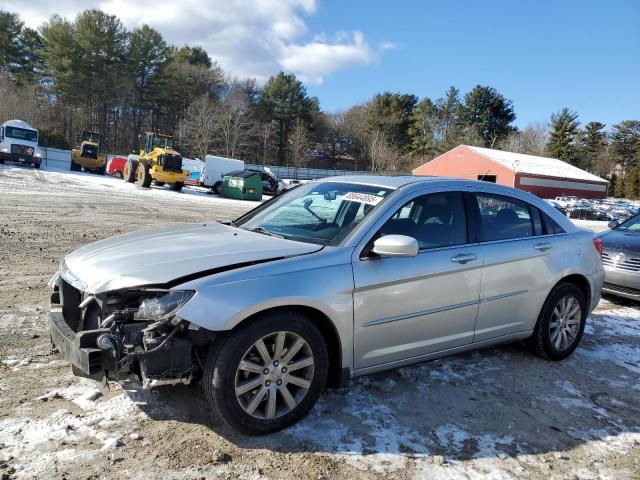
498	413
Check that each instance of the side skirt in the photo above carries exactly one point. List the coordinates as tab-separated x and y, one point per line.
442	353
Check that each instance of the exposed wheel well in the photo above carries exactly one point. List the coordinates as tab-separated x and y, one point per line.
329	333
582	283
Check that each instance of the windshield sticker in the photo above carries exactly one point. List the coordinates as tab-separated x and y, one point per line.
365	198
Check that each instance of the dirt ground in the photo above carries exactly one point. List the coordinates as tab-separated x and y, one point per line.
498	413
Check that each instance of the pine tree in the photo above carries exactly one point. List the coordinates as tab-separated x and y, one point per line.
147	55
421	130
391	114
489	114
562	138
593	144
284	99
29	66
618	191
632	183
625	143
10	30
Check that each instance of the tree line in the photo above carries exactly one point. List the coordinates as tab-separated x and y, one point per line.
91	72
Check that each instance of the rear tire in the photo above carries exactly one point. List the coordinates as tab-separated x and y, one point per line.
218	188
176	187
158	184
129	173
36	166
74	166
237	362
560	324
144	176
102	170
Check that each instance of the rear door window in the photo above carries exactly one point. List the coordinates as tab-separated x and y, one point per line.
503	218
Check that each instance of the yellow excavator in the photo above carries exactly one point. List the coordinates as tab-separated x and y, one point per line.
88	154
158	162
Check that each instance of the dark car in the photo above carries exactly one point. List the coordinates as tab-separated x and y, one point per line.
621	258
557	206
587	213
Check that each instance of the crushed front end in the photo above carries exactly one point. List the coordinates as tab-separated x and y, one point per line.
119	334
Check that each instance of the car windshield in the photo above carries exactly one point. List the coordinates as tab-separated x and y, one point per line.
630	225
322	213
22	134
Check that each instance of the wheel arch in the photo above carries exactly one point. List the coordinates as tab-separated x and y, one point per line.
579	281
327	329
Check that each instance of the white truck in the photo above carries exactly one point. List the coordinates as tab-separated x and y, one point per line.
19	143
215	168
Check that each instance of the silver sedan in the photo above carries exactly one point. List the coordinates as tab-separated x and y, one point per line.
332	279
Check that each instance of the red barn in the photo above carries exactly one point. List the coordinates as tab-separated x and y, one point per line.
544	177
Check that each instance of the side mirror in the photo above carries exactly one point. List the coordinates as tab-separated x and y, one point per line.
396	246
613	224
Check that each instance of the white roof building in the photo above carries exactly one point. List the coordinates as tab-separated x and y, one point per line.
542	176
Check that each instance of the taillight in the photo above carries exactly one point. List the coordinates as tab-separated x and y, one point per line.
597	242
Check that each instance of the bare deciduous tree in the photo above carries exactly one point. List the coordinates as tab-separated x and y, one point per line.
532	140
198	126
299	144
234	124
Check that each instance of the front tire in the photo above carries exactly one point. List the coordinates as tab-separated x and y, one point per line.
158	184
144	176
267	374
129	173
176	187
561	323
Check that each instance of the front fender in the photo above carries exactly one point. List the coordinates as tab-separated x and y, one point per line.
323	286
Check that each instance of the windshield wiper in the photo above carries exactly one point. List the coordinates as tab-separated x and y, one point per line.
264	231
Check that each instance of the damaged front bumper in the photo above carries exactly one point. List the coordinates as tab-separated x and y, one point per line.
79	349
156	356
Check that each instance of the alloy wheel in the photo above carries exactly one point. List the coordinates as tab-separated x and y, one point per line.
565	323
274	375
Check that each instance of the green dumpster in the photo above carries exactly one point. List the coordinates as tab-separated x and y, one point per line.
242	185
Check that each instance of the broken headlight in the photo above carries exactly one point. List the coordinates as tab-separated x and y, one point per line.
163	307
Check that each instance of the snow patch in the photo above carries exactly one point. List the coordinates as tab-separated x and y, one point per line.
625	356
39	446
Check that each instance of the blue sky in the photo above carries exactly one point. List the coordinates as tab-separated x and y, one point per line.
543	55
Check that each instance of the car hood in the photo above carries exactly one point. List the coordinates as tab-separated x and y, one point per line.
163	255
619	240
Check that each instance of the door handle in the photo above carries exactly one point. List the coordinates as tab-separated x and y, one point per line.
542	246
464	258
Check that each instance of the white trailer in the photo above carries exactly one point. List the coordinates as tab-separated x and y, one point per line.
215	168
19	143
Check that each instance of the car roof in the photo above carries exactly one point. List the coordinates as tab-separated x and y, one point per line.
389	181
415	181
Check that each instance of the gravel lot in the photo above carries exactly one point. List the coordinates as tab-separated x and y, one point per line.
498	413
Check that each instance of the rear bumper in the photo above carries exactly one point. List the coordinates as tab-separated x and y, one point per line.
79	349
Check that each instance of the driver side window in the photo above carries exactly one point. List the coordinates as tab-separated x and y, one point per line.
435	220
